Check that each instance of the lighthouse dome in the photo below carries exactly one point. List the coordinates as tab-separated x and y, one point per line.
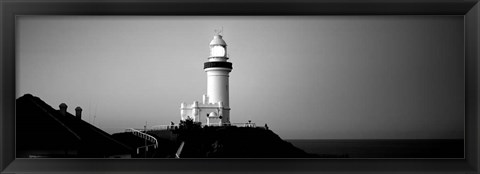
212	114
217	40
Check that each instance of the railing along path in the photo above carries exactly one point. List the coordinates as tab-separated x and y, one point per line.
145	136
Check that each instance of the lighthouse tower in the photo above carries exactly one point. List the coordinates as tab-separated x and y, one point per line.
215	108
217	69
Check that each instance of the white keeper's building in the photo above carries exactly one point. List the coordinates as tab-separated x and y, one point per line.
214	108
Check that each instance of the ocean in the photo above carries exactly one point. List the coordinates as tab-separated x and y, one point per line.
391	148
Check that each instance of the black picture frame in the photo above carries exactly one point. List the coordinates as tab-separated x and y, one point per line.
11	8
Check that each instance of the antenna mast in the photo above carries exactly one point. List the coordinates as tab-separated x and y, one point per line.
95	115
90	111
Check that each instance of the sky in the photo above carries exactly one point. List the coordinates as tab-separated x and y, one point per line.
307	77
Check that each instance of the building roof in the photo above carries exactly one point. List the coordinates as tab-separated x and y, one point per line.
217	40
39	127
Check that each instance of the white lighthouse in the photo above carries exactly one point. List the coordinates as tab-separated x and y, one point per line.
215	108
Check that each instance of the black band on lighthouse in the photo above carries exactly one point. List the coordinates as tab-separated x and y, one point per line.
217	65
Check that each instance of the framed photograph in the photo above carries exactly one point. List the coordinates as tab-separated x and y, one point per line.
310	86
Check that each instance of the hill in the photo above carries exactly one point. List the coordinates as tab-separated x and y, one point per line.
167	145
237	142
220	142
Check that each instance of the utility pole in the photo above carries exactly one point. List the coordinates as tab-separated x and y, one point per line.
145	131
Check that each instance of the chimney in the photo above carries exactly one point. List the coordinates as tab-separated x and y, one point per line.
78	112
63	109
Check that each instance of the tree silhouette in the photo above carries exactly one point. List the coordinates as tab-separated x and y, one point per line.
189	124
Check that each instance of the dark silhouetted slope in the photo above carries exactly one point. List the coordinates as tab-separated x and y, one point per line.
237	142
42	131
166	141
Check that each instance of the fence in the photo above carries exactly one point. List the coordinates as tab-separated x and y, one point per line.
144	136
169	127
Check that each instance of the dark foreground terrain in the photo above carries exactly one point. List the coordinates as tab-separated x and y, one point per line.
219	142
